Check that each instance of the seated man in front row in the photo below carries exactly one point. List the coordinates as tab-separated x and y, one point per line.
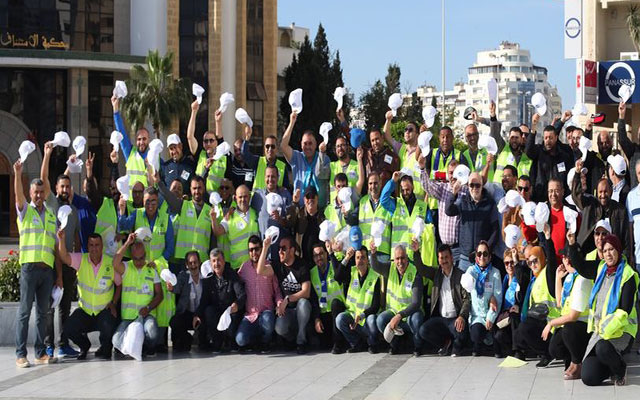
188	291
141	293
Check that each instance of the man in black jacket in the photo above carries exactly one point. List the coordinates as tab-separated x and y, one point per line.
222	290
188	291
551	159
450	305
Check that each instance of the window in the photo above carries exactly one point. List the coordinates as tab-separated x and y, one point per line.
524	58
194	52
101	119
256	93
78	25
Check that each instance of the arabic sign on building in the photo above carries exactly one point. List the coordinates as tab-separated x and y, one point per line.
33	41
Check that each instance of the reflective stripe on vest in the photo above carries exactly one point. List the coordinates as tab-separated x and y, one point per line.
167	307
194	231
359	298
367	216
334	288
95	291
136	169
238	234
566	307
399	293
481	161
137	290
37	237
540	295
107	216
402	221
507	158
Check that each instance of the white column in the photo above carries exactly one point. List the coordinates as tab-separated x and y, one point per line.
148	27
228	70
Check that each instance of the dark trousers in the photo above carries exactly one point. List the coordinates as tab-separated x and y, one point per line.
212	315
603	361
478	333
436	330
528	337
505	338
80	323
35	284
569	342
180	325
69	284
331	335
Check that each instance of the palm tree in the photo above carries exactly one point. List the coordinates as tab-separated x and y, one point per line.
633	23
155	95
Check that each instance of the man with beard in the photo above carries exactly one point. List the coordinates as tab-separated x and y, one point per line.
64	196
406	151
512	154
135	156
551	160
269	159
594	209
439	159
380	158
344	165
180	165
592	162
241	172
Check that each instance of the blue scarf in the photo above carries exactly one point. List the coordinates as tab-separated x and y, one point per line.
567	285
482	276
509	291
525	306
615	289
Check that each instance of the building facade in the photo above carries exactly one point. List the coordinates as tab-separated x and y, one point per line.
59	61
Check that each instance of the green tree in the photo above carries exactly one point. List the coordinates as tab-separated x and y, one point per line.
392	80
155	95
633	24
317	72
414	111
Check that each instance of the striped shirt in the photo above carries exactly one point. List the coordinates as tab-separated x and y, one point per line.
448	227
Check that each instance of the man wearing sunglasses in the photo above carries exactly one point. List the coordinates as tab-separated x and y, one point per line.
406	151
260	163
478	217
213	171
293	276
597	208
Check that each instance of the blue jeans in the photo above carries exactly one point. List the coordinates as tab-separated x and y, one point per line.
151	332
455	252
464	263
295	318
262	329
412	324
353	336
36	283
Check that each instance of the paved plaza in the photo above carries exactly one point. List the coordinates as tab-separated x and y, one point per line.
314	376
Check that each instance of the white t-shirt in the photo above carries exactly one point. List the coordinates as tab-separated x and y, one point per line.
580	294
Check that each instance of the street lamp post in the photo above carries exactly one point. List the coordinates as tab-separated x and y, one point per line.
443	64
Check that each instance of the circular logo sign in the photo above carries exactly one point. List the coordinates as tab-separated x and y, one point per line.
617	81
572	28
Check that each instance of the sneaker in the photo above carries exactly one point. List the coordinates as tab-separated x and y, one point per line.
619	381
67	351
265	348
372	350
45	359
301	349
50	350
543	363
417	353
22	362
82	355
519	355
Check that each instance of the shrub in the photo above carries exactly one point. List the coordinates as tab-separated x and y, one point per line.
10	277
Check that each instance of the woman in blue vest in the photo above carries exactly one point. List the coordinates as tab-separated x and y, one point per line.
613	322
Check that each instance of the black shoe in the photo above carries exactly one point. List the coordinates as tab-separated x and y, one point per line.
474	354
544	361
162	348
103	354
372	350
118	355
337	349
444	350
301	349
498	355
417	352
519	355
82	355
357	348
393	350
265	348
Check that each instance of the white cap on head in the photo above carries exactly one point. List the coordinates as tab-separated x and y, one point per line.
618	164
173	139
603	223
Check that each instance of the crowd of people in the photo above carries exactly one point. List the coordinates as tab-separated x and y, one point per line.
357	243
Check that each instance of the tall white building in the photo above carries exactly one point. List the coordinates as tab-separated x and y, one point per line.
518	79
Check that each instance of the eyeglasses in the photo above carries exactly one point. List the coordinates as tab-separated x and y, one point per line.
523	189
317	254
408	129
225	187
482	254
205	141
509	263
600	233
283	248
257	248
475	185
269	146
532	262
